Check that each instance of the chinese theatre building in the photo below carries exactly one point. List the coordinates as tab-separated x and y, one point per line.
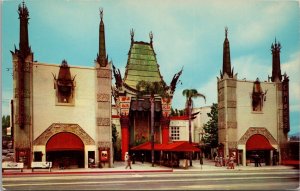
134	110
61	113
253	116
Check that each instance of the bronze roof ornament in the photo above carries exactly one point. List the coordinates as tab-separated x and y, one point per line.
151	37
101	13
132	35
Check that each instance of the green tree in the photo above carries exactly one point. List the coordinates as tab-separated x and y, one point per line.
5	123
210	137
115	142
151	89
190	94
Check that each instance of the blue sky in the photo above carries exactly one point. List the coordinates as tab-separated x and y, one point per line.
187	33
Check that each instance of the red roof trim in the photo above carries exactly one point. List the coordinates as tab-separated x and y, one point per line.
178	146
184	117
115	116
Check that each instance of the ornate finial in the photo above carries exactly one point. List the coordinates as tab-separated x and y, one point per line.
101	13
276	46
132	34
151	36
226	31
22	10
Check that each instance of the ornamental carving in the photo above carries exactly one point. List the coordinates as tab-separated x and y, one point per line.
232	125
231	104
257	130
232	144
27	66
221	84
103	73
25	93
104	144
103	97
63	127
103	121
221	104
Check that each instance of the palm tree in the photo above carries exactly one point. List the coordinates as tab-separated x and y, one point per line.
152	89
190	94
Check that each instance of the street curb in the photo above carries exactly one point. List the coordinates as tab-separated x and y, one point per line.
81	172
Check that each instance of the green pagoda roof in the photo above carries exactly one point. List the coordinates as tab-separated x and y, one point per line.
141	65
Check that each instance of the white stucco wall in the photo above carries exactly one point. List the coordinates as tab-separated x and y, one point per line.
183	129
246	118
45	110
200	120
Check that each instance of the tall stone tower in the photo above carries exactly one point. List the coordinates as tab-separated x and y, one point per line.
22	91
103	93
282	91
227	103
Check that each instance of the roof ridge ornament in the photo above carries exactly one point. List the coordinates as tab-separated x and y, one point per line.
226	31
101	13
132	35
151	37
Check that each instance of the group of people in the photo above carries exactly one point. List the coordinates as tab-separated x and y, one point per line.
227	161
130	159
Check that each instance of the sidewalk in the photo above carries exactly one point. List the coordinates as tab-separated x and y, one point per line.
138	167
209	165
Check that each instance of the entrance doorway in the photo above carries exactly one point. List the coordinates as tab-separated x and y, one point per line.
65	150
66	159
258	146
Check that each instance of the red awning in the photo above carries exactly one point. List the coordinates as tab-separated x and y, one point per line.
258	142
64	141
178	146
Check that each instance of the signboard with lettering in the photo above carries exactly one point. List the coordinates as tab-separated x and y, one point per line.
285	105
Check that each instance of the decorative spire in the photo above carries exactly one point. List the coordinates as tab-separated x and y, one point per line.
226	56
276	72
101	14
102	57
132	35
151	37
24	41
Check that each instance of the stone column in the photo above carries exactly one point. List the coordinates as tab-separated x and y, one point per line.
125	134
165	122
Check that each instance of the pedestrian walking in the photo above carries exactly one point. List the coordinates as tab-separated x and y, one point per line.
258	160
215	155
201	159
227	161
231	162
128	162
142	158
133	158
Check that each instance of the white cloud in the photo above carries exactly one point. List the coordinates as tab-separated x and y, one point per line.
251	67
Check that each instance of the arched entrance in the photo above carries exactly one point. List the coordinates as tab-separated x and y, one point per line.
65	150
259	145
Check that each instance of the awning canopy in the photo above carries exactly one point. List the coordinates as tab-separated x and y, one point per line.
258	142
178	146
64	141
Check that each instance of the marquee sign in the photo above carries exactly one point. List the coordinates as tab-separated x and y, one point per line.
285	105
